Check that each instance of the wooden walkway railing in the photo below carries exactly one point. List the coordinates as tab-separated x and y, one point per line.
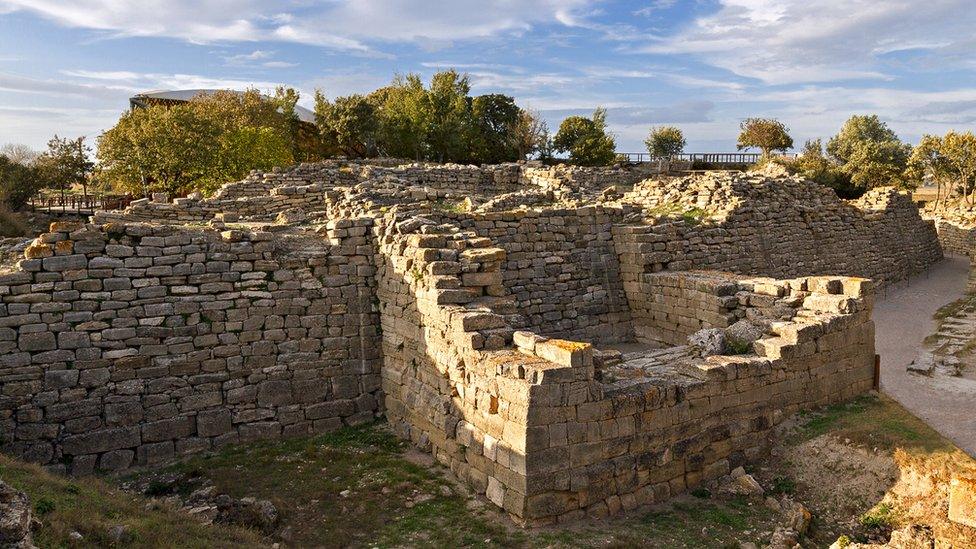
736	158
79	204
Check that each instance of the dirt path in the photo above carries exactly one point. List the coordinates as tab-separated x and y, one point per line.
903	318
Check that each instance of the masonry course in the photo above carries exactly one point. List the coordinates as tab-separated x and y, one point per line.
476	308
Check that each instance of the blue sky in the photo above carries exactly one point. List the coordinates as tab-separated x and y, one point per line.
68	67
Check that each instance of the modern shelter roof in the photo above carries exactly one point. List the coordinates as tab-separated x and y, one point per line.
140	100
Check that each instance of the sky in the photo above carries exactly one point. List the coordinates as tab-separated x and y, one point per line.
69	66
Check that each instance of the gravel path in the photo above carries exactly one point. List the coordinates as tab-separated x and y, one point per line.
903	318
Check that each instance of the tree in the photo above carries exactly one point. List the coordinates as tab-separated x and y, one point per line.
18	182
586	140
447	114
19	153
949	160
493	129
765	134
306	143
403	126
869	152
531	134
349	124
814	165
66	162
665	142
194	146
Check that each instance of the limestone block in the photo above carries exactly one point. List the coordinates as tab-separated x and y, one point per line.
962	500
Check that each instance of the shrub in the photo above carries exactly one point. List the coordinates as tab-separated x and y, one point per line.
665	142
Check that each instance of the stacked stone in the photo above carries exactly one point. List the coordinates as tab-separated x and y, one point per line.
450	386
955	236
596	449
781	227
519	199
132	343
668	307
562	269
567	181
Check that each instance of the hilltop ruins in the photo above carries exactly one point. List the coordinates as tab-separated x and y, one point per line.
569	341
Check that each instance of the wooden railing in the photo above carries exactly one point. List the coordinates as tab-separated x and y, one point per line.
735	158
79	204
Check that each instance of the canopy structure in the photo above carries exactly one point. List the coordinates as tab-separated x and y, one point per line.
143	100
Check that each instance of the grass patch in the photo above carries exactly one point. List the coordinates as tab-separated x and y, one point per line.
783	485
873	420
353	487
880	516
951	309
91	507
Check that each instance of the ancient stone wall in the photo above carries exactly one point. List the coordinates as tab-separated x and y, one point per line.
129	344
448	386
562	269
568	181
652	429
775	227
956	236
669	307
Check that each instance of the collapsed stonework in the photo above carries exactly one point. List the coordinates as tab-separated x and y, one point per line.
533	336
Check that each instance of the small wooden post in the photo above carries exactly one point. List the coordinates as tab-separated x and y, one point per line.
877	372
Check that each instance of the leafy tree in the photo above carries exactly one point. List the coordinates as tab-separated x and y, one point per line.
765	134
665	142
530	134
66	162
950	161
447	114
306	142
196	145
493	132
18	182
869	152
403	126
586	140
350	124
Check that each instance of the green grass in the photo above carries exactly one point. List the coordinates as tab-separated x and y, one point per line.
873	420
91	507
394	501
352	487
880	516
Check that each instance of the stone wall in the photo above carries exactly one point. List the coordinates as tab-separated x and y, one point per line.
669	307
956	236
784	227
561	268
449	386
129	344
659	429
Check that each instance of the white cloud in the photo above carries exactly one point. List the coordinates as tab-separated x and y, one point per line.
85	102
793	41
339	24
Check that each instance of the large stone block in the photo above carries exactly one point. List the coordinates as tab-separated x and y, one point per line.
104	440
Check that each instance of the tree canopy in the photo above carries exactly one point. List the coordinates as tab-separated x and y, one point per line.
869	152
586	140
19	181
439	121
665	142
197	145
950	161
765	134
